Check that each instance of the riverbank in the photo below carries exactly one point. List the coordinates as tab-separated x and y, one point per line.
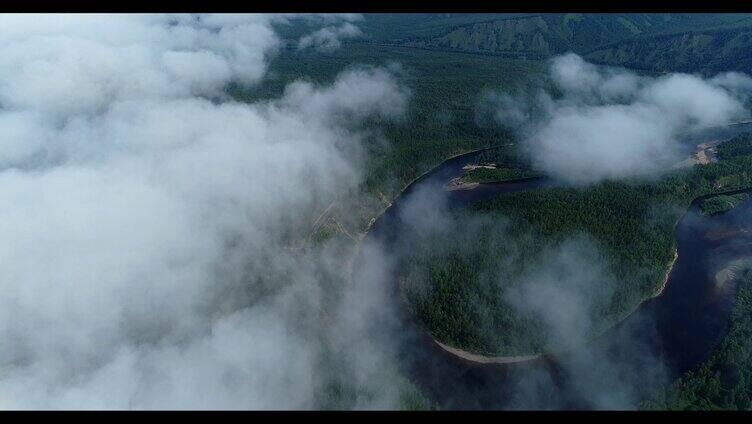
483	359
418	178
670	268
362	235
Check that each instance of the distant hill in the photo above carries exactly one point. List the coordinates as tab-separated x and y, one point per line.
708	51
543	34
658	42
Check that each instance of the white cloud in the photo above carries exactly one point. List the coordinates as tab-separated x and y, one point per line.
148	262
612	123
329	38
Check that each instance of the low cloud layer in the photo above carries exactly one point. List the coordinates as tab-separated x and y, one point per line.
611	123
150	223
329	38
611	370
565	289
153	226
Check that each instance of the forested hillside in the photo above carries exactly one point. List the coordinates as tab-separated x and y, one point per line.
708	51
442	117
658	42
542	35
436	57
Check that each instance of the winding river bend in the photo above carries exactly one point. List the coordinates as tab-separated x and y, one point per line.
666	335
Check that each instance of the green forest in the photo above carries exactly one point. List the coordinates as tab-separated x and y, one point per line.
498	174
443	117
655	42
738	146
459	278
721	203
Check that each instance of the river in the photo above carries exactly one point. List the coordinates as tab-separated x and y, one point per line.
666	335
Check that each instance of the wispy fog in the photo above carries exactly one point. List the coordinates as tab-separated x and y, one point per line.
152	226
604	123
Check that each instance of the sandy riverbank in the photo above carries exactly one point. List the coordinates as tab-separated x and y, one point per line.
704	153
457	184
668	273
483	359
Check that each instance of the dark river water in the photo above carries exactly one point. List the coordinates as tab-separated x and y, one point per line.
663	338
